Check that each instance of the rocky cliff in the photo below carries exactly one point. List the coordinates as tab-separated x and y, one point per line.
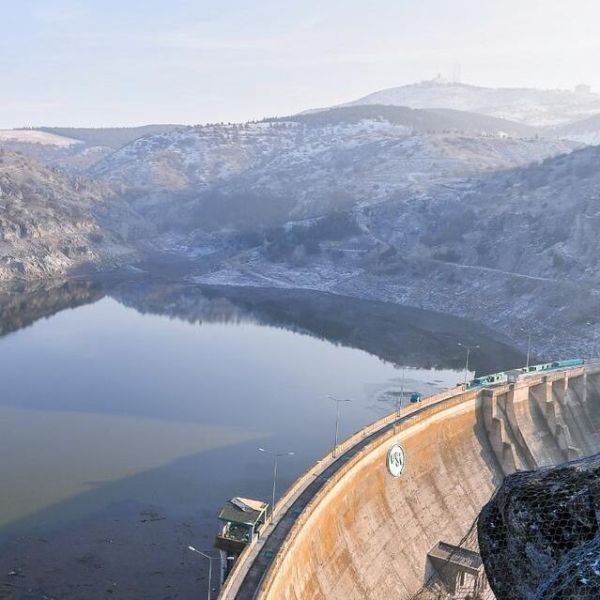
48	222
539	536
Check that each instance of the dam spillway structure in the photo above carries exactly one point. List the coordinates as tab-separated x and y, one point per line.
390	515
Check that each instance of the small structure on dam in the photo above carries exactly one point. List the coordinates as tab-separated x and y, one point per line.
460	570
352	528
242	520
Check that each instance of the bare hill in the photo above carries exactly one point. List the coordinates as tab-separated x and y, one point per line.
529	106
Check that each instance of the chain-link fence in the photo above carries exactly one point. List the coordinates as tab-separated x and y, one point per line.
540	534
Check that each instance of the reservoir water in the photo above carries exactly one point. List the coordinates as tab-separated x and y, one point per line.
130	413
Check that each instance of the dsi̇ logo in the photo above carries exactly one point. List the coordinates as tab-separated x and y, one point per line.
396	460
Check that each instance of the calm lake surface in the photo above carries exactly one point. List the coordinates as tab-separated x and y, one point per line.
145	405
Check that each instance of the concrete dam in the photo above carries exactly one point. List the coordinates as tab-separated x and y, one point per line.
399	497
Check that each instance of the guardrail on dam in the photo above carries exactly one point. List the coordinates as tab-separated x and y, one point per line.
348	528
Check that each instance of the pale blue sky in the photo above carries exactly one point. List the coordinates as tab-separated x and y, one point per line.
123	62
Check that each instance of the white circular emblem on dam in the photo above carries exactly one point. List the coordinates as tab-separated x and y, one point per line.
396	460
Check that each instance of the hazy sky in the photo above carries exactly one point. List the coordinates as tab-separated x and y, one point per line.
122	62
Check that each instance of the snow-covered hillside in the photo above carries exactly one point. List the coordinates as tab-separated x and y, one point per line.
465	213
274	171
72	149
530	106
517	250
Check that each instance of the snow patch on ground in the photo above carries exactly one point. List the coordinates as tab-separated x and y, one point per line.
26	136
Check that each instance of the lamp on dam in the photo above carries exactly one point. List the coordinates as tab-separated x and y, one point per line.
192	549
468	348
337	401
528	346
275	456
595	342
399	399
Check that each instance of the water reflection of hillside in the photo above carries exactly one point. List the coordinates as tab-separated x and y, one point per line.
21	304
402	335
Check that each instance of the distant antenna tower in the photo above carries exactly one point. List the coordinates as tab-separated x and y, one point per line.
456	72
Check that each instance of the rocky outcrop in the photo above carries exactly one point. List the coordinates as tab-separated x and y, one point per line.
539	536
48	222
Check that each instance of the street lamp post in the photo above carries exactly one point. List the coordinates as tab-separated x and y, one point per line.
469	348
275	456
337	421
209	568
595	342
528	347
402	390
400	399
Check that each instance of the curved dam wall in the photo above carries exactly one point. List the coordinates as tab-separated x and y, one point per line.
365	534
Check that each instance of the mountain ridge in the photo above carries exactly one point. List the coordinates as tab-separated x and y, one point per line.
301	167
418	119
525	105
